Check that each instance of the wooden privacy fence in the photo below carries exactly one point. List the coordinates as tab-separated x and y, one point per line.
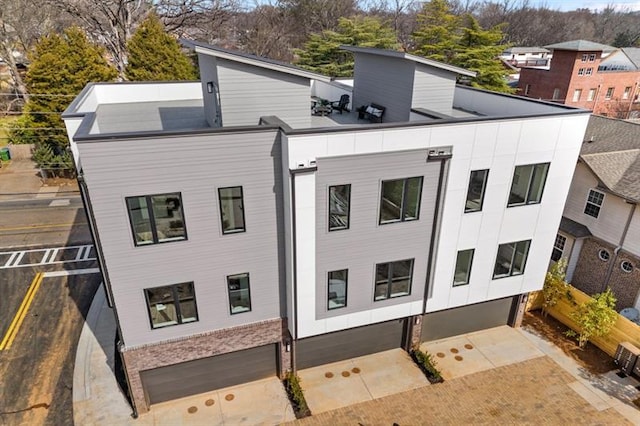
623	330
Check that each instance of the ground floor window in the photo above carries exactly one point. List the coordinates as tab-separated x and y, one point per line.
393	279
558	248
337	297
239	293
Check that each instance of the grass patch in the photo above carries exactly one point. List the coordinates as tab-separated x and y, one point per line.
296	396
427	364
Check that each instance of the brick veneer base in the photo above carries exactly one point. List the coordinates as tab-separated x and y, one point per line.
137	359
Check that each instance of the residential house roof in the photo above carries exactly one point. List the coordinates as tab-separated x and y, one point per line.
612	151
573	228
521	50
633	53
581	46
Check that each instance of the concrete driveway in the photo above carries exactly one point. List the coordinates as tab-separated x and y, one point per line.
344	383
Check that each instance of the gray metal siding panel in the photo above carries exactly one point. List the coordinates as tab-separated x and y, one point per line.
117	169
367	243
352	343
467	319
433	89
384	81
208	72
206	374
248	93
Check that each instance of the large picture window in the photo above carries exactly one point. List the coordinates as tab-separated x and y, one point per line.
171	305
231	209
528	184
511	259
156	218
393	279
400	200
594	203
463	267
475	193
337	297
339	204
239	293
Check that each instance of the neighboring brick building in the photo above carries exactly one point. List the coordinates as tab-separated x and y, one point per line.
588	75
600	231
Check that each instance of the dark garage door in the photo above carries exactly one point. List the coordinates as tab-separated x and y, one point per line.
467	319
203	375
351	343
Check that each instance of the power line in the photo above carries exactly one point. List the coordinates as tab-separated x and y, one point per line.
44	95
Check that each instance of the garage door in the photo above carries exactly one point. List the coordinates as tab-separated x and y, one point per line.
351	343
467	319
203	375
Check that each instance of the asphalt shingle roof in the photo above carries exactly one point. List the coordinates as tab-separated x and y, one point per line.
574	228
612	151
581	46
634	55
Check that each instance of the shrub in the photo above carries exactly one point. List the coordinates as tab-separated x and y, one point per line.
296	395
427	364
595	317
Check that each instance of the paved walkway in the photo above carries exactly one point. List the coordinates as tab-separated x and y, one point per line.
20	180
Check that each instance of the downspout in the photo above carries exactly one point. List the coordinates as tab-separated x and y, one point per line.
619	247
595	101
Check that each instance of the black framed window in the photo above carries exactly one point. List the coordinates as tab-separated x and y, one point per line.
339	206
511	259
594	203
171	305
239	293
393	279
558	247
528	184
231	209
400	200
462	273
156	218
337	296
475	193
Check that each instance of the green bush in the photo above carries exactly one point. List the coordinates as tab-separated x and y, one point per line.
427	364
296	395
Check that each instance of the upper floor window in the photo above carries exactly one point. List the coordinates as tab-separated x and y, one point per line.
400	200
528	184
339	204
231	209
609	93
581	71
592	57
592	95
588	71
239	293
337	296
626	93
393	279
594	203
511	259
463	267
475	193
171	305
527	89
558	247
556	94
585	57
156	218
576	95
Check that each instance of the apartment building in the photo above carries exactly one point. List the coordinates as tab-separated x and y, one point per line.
243	232
588	75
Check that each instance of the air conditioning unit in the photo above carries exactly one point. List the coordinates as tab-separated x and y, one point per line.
626	357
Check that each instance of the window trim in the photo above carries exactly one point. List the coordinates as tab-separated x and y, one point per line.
585	57
626	93
604	258
511	274
588	71
587	203
405	189
626	262
152	219
469	266
556	247
342	228
174	294
544	185
346	289
577	94
592	57
527	89
591	95
482	192
581	71
248	292
390	279
244	216
609	93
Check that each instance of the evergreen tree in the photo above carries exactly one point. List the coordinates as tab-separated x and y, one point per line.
61	65
461	41
156	56
322	53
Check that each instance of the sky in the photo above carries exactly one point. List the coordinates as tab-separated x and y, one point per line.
566	5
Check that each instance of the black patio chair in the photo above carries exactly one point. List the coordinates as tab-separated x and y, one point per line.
341	105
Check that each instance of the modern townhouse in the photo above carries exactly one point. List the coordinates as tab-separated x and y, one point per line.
244	229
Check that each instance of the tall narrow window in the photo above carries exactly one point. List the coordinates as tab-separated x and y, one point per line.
594	203
339	206
581	71
626	93
393	279
475	193
558	247
527	89
609	93
239	294
592	95
171	305
337	296
556	94
231	209
576	95
528	184
511	259
463	267
156	218
400	200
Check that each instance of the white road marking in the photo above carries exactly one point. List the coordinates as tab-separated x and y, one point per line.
60	203
71	272
49	257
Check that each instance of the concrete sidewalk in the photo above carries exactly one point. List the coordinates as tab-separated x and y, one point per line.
20	180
